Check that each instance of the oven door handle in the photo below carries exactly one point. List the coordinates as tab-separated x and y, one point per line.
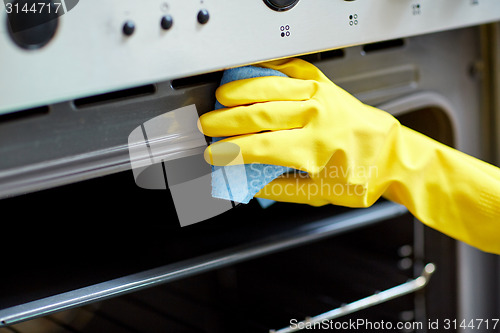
380	297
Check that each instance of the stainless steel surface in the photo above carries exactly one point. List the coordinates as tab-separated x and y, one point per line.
478	280
71	143
90	54
312	232
381	297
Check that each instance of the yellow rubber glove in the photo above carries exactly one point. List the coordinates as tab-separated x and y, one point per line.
353	153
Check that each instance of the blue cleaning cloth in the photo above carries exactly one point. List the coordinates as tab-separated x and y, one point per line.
230	184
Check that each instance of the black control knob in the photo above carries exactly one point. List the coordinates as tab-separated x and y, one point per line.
280	5
34	28
128	28
203	16
167	22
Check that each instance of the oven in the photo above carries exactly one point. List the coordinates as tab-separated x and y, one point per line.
87	250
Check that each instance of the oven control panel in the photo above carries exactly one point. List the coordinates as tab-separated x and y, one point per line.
56	50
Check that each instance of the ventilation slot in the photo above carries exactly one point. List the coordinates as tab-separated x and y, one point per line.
333	54
197	80
25	114
385	45
326	55
115	96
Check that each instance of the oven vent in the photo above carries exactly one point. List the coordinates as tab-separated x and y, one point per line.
325	55
385	45
115	96
333	54
197	80
25	114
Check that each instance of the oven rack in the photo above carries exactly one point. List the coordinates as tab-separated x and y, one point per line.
380	297
277	240
152	306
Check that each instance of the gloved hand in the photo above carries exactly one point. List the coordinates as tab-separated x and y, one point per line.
353	153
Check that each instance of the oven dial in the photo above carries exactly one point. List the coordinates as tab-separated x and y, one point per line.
32	24
281	5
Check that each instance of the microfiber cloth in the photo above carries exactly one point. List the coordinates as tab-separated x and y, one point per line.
257	175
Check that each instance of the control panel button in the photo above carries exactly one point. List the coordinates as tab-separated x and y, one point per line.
281	5
166	22
34	28
128	28
203	16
